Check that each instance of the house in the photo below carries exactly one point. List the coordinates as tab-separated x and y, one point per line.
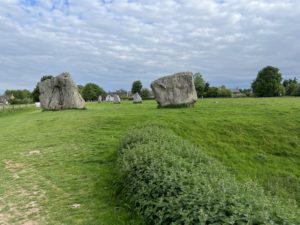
4	99
237	93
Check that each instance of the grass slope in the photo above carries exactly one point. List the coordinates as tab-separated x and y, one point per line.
57	167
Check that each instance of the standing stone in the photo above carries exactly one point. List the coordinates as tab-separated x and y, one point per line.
99	98
175	90
117	99
109	98
58	93
137	98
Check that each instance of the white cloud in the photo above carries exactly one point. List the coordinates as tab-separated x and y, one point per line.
115	42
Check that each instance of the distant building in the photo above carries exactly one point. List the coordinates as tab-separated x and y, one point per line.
4	99
237	93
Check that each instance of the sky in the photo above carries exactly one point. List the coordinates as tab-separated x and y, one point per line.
114	42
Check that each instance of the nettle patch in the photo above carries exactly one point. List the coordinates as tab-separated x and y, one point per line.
167	180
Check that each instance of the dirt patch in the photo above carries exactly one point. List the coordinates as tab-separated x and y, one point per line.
30	223
12	166
34	152
21	204
4	219
75	206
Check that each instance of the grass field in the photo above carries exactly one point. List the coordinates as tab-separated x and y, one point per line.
58	167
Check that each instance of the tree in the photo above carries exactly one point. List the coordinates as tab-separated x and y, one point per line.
199	84
218	92
296	92
80	88
268	83
20	96
122	93
36	91
145	93
247	92
136	87
290	86
91	91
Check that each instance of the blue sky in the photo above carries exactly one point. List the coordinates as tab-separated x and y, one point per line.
114	42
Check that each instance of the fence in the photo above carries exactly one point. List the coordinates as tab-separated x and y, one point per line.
13	108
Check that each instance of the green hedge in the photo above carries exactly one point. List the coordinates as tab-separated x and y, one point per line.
167	180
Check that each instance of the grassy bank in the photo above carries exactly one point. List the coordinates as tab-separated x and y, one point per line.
58	166
167	180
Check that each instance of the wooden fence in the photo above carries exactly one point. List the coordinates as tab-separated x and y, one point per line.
13	108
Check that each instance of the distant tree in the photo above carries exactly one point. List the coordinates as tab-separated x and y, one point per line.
121	92
247	92
36	92
80	88
145	93
136	87
224	92
218	92
268	83
46	77
212	92
91	91
290	86
20	96
199	84
296	92
206	87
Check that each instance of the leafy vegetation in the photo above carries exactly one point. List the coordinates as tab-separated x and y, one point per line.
19	96
64	162
136	87
199	84
91	91
169	181
145	93
268	83
218	92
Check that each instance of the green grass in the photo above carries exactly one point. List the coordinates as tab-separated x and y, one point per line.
51	161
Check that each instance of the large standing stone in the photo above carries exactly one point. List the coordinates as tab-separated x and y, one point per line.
99	98
117	99
137	98
175	90
109	98
59	93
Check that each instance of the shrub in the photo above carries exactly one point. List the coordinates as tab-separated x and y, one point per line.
169	181
91	92
296	92
218	92
268	83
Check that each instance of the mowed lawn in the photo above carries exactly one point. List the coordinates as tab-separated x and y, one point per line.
59	167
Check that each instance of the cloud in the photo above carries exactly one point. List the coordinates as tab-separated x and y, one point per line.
114	42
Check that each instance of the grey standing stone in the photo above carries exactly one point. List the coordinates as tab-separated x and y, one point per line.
175	90
99	98
137	98
109	98
60	93
117	99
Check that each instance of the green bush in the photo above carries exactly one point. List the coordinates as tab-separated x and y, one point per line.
167	180
17	101
218	92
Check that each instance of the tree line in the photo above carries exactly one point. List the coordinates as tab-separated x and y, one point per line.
268	83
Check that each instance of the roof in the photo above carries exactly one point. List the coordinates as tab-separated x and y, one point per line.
234	90
4	98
